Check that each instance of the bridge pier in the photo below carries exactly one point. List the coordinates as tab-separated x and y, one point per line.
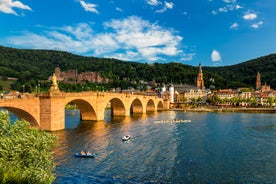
52	112
120	112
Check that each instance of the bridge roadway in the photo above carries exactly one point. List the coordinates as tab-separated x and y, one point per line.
47	110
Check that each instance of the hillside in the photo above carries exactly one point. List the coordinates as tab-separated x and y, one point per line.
29	66
245	73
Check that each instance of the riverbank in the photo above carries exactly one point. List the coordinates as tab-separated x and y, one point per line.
228	109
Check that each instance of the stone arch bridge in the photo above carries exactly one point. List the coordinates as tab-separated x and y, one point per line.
47	110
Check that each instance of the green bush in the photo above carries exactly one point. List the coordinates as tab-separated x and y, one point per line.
25	152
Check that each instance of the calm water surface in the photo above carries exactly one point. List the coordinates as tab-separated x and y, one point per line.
213	148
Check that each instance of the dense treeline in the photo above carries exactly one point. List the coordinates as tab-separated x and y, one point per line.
30	66
244	74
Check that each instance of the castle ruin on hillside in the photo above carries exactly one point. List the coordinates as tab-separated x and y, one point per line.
73	76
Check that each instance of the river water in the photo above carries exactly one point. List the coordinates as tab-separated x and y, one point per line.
212	148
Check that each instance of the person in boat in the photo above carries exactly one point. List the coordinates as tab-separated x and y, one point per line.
82	152
88	153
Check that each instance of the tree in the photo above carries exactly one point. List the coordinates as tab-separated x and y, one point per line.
25	155
213	99
253	101
199	100
270	101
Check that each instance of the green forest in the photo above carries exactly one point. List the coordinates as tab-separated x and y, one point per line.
29	67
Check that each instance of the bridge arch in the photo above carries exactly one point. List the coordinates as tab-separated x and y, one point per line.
23	115
150	106
117	107
136	106
160	105
87	112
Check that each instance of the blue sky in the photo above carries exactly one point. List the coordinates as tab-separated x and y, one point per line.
210	32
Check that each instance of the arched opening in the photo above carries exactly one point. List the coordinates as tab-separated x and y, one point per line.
160	106
77	111
150	106
136	107
117	107
19	114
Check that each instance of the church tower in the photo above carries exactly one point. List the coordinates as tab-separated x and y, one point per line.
258	81
199	80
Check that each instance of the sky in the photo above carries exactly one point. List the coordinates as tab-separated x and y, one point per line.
192	32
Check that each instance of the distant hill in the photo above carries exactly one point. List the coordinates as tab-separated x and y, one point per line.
34	65
245	72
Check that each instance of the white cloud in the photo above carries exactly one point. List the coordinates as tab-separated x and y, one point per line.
119	9
257	25
149	40
128	56
230	5
167	5
214	12
153	2
238	7
7	6
250	16
229	1
224	9
89	7
215	56
131	38
187	57
235	25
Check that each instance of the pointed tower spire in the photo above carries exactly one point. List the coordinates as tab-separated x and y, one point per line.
200	68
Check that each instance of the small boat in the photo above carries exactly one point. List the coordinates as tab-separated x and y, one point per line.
174	121
126	138
85	154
